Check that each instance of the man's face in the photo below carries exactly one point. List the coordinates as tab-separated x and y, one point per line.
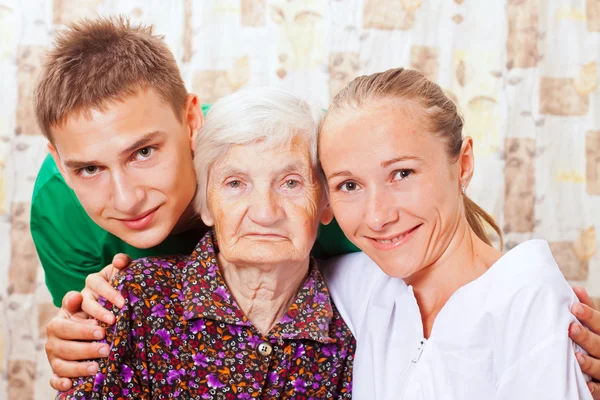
130	165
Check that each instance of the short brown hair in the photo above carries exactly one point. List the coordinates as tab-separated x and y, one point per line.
441	117
95	61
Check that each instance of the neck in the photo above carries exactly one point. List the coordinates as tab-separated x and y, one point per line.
264	292
189	220
464	260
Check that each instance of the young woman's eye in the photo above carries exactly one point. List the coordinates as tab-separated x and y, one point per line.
402	174
347	186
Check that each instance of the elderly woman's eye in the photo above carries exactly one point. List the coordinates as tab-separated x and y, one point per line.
292	184
234	184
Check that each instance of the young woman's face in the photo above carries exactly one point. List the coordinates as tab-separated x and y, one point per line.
393	189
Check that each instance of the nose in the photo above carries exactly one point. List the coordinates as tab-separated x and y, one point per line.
265	207
128	195
381	210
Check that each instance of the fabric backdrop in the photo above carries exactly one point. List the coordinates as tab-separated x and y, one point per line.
524	73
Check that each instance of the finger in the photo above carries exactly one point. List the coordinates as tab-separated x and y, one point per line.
121	261
60	384
67	329
101	288
71	302
92	307
594	389
73	369
587	316
589	365
586	339
583	296
71	350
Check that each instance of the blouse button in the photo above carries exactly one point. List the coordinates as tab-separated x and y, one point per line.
265	349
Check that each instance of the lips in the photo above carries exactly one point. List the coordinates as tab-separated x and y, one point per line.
140	222
391	242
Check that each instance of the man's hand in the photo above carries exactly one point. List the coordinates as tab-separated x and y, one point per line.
98	285
587	335
70	340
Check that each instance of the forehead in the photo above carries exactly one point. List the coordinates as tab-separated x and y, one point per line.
266	156
115	125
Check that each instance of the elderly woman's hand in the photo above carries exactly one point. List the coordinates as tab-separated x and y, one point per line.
587	313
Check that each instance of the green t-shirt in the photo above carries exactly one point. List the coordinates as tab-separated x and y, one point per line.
71	246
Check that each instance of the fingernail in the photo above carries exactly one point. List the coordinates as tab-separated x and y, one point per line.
92	369
108	318
580	359
592	388
576	330
98	334
103	351
120	302
578	309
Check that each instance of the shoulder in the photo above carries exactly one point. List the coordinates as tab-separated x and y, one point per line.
48	178
352	265
531	268
150	278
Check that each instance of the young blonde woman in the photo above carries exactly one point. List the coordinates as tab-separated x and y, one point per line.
437	311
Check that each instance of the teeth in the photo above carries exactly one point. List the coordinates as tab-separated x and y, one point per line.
392	240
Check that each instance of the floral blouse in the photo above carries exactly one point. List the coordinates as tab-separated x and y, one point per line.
181	334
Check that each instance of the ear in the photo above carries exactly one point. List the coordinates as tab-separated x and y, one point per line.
326	215
56	157
194	118
207	216
466	162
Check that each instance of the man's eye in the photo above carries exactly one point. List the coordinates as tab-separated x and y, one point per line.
88	171
145	152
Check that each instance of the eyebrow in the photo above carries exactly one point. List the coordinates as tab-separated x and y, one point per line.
297	167
141	142
387	163
384	164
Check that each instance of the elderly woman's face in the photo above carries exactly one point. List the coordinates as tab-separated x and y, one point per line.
265	203
392	188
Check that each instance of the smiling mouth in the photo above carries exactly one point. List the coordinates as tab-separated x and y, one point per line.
395	239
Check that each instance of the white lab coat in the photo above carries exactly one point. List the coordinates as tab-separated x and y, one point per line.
502	336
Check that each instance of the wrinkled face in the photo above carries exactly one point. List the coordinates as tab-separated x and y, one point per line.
393	190
130	166
265	203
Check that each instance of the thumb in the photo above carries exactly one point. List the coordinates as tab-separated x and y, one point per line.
72	302
121	261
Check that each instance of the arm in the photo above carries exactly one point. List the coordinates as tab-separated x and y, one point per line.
124	373
71	333
536	359
588	337
67	241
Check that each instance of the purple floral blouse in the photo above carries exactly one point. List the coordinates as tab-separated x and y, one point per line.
181	334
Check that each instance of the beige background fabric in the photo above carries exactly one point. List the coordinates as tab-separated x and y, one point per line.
524	73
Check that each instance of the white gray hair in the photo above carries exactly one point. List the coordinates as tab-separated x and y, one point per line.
269	114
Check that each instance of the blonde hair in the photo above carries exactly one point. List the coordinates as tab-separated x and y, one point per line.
440	116
100	60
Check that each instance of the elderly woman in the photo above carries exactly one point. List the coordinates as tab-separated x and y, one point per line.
437	312
247	314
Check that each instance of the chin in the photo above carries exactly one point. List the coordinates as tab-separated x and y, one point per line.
144	239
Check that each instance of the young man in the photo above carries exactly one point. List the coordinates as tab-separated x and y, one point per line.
120	179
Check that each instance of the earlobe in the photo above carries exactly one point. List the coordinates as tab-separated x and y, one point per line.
207	216
326	215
